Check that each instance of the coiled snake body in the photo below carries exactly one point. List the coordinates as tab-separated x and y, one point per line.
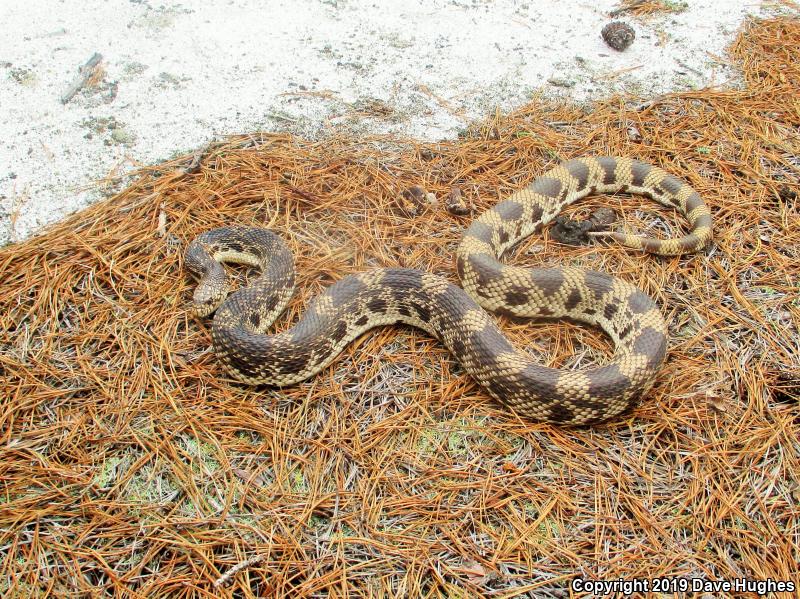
454	315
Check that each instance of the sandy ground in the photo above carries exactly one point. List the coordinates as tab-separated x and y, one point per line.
176	75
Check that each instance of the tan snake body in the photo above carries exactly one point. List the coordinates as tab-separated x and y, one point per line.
454	315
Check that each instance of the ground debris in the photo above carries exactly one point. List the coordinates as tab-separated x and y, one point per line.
618	35
456	203
576	232
85	73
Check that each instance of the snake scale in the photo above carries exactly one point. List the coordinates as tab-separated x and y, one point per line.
454	315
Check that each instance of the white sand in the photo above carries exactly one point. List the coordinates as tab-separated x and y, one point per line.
176	75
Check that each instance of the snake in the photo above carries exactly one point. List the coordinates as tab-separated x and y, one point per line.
459	316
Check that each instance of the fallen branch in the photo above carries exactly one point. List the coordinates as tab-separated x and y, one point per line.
238	567
84	73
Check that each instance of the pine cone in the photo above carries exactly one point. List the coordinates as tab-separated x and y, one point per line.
618	35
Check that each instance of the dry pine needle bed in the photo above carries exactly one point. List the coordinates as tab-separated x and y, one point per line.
132	466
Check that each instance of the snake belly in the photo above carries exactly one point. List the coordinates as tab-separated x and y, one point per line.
456	316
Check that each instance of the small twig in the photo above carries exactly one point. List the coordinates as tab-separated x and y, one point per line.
422	88
84	73
617	73
162	221
197	158
327	94
649	103
280	117
303	194
687	67
258	558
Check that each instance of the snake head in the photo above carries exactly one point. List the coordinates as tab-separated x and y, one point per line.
211	291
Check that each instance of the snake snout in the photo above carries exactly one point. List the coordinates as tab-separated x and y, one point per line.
213	287
203	308
207	298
